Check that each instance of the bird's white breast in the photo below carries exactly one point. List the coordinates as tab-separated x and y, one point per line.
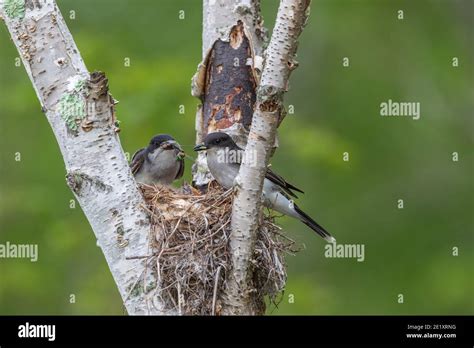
163	165
222	171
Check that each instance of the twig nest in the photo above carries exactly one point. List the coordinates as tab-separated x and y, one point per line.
191	249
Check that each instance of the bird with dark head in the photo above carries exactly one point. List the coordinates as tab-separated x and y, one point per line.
277	192
217	140
161	162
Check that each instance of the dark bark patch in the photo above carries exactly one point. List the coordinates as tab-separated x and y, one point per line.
230	88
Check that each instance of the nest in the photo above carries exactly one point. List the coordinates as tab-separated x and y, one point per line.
191	240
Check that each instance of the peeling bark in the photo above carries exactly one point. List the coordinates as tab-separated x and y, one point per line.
226	80
230	87
81	113
279	62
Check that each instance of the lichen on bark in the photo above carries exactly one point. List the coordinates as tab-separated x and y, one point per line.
14	8
72	105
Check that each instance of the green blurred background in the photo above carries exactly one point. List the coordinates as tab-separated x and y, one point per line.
336	109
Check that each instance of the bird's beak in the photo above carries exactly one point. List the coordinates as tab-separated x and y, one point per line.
200	147
170	144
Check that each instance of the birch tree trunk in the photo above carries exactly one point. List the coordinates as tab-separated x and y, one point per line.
81	113
279	62
226	80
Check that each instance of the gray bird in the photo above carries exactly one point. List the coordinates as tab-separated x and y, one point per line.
161	162
224	167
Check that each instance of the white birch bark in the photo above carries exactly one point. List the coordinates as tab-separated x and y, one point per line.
219	16
97	170
279	62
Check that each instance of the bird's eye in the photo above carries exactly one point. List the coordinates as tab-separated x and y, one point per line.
218	141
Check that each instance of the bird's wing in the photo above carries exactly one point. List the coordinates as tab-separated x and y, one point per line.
279	181
137	160
181	169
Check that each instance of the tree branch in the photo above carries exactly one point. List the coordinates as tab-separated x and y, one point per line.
81	113
279	62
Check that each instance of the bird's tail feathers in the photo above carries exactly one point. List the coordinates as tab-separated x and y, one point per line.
308	221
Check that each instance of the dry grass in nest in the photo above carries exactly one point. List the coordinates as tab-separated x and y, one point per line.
191	240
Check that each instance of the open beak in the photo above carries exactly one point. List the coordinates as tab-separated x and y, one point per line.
200	147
